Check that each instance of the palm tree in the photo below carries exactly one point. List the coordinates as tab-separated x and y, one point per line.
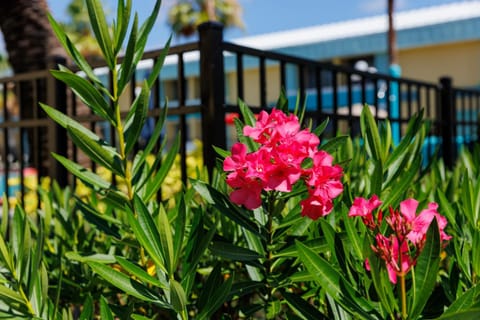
186	15
31	45
29	39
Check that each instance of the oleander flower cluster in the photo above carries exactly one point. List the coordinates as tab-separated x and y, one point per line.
280	162
406	237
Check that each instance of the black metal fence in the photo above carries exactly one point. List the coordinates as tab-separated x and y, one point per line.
203	82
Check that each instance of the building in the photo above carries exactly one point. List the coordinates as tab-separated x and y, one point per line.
433	42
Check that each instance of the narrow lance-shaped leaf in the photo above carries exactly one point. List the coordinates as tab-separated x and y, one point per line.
87	311
145	31
304	309
179	229
166	240
146	232
127	67
154	185
334	283
370	133
136	118
178	297
223	204
65	121
214	293
105	312
126	284
87	93
138	272
100	30
426	271
123	19
73	52
236	253
97	151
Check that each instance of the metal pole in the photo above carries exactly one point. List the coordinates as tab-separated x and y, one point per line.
212	90
447	114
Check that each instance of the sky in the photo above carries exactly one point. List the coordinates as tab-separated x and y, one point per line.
264	16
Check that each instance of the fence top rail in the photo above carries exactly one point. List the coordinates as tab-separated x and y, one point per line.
27	76
239	49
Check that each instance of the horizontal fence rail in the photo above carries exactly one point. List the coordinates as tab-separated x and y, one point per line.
201	84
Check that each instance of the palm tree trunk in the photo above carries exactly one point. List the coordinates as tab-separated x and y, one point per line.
29	38
31	46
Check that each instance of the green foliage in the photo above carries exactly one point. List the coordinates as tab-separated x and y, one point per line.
120	252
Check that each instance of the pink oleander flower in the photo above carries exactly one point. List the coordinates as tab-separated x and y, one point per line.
408	232
418	224
396	255
271	127
364	208
277	165
316	207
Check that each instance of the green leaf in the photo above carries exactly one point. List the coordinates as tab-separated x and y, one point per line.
126	284
465	302
5	218
301	307
65	121
334	283
472	314
166	240
197	244
414	126
218	297
402	186
157	67
356	234
223	204
95	182
229	251
380	280
240	289
103	222
214	281
426	271
72	51
154	185
97	151
146	232
321	128
247	114
105	312
179	229
145	31
87	93
10	296
100	30
6	256
157	132
178	297
127	67
96	257
370	134
333	144
136	118
123	20
138	272
87	311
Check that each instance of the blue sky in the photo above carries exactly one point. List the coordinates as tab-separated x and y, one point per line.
263	16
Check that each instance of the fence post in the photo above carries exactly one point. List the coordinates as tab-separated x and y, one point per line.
448	122
212	90
57	97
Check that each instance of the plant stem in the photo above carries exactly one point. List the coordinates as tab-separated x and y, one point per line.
121	136
268	262
403	293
